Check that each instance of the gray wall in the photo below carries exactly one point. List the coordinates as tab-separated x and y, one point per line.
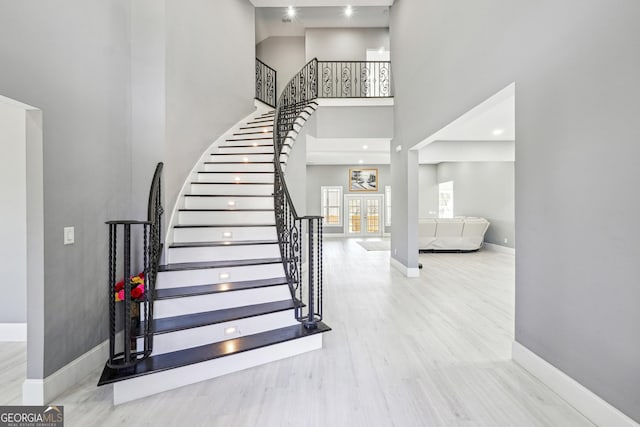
575	64
296	168
484	189
82	63
71	59
318	176
428	185
344	44
354	122
210	78
283	54
13	214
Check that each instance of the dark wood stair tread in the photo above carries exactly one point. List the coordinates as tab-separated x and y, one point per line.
189	321
224	243
227	196
176	359
222	225
230	172
182	266
232	183
185	291
238	163
225	210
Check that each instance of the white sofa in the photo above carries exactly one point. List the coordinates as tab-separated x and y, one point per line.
451	234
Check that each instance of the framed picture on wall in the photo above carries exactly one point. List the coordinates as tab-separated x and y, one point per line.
363	179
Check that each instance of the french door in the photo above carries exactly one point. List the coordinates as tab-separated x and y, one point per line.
363	215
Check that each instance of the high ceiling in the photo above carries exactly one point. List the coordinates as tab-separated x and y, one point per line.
273	21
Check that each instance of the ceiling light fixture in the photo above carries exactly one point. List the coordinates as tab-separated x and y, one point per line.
348	11
291	12
497	132
360	161
364	147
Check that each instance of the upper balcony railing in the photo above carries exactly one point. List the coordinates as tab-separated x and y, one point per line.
354	79
266	83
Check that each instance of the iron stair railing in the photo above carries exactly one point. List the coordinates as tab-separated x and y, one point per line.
123	351
355	79
266	83
299	237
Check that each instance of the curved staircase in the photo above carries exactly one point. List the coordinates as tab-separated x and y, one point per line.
222	301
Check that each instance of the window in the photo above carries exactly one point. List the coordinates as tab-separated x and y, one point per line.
387	205
445	199
331	205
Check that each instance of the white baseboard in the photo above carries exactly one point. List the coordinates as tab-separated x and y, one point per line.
42	392
584	400
409	272
497	248
13	332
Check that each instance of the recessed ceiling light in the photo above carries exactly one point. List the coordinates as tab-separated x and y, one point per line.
245	159
360	161
230	330
231	203
223	276
348	11
497	132
227	234
291	12
364	147
381	50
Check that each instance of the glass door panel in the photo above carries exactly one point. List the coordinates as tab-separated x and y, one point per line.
373	215
354	216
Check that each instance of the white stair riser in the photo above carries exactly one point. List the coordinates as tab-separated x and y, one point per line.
236	177
241	158
147	385
176	279
239	167
223	203
225	217
222	253
179	340
201	303
216	234
246	150
231	189
249	138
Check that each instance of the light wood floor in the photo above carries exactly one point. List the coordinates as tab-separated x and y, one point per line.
433	351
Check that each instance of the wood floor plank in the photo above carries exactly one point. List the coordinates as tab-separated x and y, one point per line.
432	351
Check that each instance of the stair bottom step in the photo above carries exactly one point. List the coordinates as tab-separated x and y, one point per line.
172	370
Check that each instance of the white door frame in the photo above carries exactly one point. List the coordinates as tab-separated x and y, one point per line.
363	217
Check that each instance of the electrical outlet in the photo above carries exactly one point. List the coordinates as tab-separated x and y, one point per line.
395	251
506	240
69	235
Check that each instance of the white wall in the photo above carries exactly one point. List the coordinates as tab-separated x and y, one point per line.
283	54
13	215
344	44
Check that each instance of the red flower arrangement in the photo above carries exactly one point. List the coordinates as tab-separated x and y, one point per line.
137	288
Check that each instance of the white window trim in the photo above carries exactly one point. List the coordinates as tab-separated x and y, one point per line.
340	205
387	206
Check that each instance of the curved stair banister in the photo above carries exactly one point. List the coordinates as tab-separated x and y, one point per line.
135	317
296	99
